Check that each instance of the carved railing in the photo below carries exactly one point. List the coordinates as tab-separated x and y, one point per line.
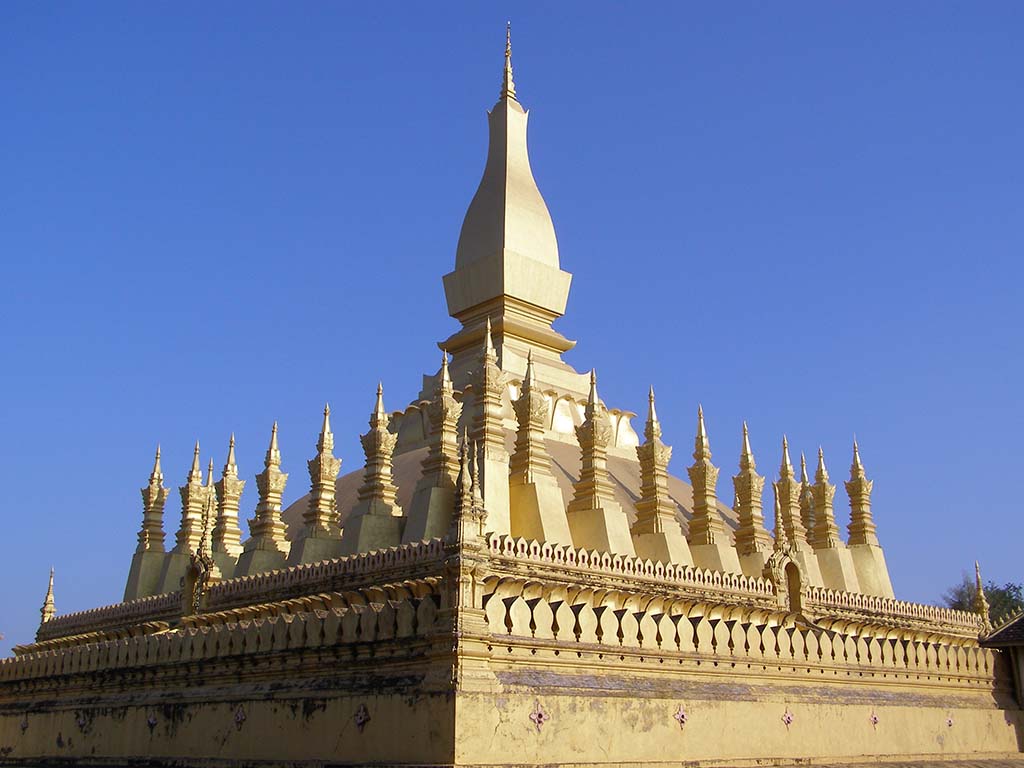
376	622
679	578
153	608
348	572
892	612
295	581
551	622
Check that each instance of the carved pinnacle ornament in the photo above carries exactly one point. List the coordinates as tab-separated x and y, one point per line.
530	458
49	610
227	535
826	532
378	488
858	488
441	464
321	515
806	500
748	486
788	495
706	524
154	496
469	515
593	490
266	528
656	511
193	497
488	387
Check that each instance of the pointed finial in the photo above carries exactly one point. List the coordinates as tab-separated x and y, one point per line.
209	473
196	474
157	472
821	474
508	88
446	379
378	408
786	468
474	474
702	448
592	400
528	376
856	468
273	457
980	599
780	534
327	419
747	455
652	430
231	451
804	478
48	611
489	350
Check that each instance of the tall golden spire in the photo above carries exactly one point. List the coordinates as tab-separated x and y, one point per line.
266	528
858	489
748	486
826	532
508	88
655	510
593	489
320	519
377	493
706	525
530	458
193	499
227	536
789	501
154	495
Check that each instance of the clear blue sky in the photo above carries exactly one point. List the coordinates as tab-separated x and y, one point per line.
804	215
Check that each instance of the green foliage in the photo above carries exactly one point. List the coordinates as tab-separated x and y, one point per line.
1002	600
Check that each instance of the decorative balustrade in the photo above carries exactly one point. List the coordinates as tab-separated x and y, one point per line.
697	629
873	607
153	608
374	622
682	577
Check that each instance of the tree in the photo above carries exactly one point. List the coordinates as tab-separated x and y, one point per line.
1008	598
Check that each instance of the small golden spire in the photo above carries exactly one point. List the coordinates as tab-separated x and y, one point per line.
528	376
157	473
980	600
804	478
856	469
379	414
48	611
273	457
490	353
230	467
446	379
747	455
702	448
786	468
592	401
821	474
508	88
780	533
196	474
652	430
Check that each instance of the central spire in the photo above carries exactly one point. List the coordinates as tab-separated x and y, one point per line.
506	263
508	87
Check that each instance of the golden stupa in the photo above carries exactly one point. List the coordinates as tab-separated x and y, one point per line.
514	578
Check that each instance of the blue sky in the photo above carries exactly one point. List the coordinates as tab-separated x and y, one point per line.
804	215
